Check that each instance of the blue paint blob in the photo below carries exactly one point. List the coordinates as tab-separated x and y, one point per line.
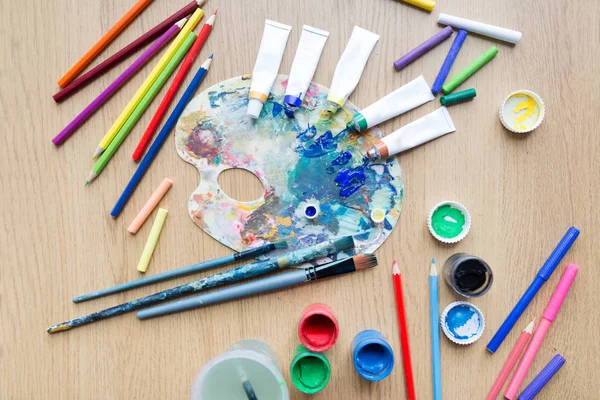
324	144
310	211
289	111
372	355
351	179
463	323
277	109
309	133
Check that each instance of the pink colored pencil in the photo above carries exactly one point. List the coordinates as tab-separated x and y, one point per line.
115	86
538	337
513	357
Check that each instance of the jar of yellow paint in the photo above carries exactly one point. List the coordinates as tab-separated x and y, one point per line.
522	111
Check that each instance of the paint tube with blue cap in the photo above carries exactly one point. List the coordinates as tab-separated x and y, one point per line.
305	63
269	57
429	127
350	67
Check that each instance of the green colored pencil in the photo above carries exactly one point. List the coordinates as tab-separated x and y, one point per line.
141	107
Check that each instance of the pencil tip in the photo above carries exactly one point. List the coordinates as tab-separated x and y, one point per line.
529	328
432	260
216	11
98	151
211	56
395	269
433	270
87	183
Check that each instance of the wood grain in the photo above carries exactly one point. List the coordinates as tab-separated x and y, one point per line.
523	193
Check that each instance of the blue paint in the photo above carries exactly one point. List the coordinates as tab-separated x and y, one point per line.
216	98
351	179
324	144
289	111
277	109
447	65
462	323
342	159
310	211
372	355
309	133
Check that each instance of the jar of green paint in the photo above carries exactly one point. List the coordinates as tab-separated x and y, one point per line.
310	371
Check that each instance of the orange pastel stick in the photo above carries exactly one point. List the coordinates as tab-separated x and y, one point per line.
103	42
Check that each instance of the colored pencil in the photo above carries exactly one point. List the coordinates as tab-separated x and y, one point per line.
233	275
161	138
139	94
434	319
103	42
538	383
159	221
548	317
183	271
141	107
408	373
115	86
125	52
512	359
280	281
175	85
543	275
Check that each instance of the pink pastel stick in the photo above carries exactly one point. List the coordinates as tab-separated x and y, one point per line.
513	357
115	86
150	205
538	337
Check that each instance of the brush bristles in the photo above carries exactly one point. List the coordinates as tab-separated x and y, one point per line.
281	244
344	243
364	261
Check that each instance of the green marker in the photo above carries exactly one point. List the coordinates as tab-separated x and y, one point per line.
470	70
310	371
458	97
141	107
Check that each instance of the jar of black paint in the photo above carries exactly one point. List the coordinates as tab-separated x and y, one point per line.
468	275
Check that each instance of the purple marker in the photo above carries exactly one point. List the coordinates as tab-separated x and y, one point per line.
543	377
447	65
423	48
113	87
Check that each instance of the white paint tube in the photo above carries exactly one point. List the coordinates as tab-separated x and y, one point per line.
401	100
305	63
429	127
495	32
350	67
269	57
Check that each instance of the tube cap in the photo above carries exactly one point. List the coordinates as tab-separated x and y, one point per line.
292	101
254	108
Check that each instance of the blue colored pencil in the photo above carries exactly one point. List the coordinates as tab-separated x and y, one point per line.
447	65
543	275
434	313
538	383
161	138
190	269
279	281
247	271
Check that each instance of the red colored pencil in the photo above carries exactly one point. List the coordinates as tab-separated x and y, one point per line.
125	52
177	81
408	374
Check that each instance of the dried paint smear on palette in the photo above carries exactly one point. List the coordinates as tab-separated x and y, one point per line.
309	160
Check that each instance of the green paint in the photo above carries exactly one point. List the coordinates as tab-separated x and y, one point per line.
447	222
310	371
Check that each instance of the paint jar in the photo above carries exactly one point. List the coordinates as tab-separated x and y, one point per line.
372	355
468	275
462	322
248	361
310	371
318	328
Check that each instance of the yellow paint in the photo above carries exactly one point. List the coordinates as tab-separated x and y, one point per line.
245	207
270	234
287	221
528	106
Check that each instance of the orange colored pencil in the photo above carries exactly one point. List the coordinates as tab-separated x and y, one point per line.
103	42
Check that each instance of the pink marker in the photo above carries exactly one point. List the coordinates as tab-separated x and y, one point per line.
547	318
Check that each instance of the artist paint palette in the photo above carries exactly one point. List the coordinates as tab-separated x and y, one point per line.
306	160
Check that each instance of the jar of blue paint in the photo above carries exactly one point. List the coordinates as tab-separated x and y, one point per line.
372	355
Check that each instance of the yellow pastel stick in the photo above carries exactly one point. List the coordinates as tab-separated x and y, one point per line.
152	239
160	65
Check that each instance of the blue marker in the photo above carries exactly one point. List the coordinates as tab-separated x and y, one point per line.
372	355
543	275
447	65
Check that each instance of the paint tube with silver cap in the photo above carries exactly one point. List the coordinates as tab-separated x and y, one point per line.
269	57
305	63
429	127
401	100
350	67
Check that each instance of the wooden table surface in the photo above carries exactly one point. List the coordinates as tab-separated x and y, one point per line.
523	193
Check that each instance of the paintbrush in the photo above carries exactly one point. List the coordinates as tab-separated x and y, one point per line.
247	271
190	269
271	283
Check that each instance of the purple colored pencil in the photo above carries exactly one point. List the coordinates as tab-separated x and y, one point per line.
115	86
543	377
447	65
423	48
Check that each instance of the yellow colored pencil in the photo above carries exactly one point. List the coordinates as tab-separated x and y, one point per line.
137	97
152	240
